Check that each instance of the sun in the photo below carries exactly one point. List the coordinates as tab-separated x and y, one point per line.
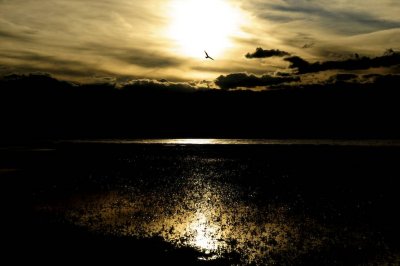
198	25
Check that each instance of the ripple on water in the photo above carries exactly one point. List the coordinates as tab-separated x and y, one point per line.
205	215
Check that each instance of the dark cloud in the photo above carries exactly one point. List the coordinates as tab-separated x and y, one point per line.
13	36
237	80
28	62
261	53
371	76
230	69
276	18
135	56
342	77
146	59
386	80
299	63
148	85
40	86
308	45
64	72
361	63
40	58
344	83
283	74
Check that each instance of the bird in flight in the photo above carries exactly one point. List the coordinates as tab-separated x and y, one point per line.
207	56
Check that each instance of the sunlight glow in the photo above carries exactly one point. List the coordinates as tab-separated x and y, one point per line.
198	25
204	233
192	141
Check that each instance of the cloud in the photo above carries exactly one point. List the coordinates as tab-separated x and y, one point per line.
137	56
342	77
308	45
337	27
130	39
364	22
237	80
75	68
12	36
334	15
231	69
261	53
60	67
358	63
40	82
122	38
384	81
159	86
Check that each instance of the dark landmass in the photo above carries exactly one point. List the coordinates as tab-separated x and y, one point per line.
38	107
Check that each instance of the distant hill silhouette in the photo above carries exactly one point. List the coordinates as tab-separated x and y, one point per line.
37	107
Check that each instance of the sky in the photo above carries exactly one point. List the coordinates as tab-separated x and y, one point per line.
125	40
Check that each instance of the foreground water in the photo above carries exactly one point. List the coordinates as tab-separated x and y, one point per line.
228	204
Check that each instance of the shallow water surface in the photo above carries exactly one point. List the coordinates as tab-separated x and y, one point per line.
260	205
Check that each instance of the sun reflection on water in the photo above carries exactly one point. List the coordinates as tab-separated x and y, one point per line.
197	201
203	214
191	141
204	233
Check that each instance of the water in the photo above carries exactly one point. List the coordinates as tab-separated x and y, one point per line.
331	142
284	202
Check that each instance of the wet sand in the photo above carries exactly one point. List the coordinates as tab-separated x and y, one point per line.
213	204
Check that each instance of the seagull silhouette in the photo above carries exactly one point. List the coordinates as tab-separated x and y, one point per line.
207	56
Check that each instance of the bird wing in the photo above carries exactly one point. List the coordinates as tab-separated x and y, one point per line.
206	53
